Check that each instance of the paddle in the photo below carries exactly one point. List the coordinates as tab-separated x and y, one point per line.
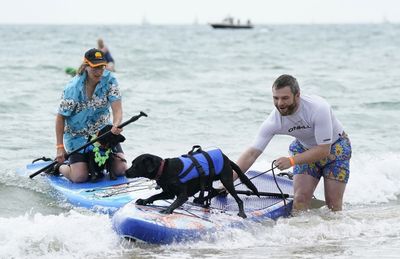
317	203
134	118
272	194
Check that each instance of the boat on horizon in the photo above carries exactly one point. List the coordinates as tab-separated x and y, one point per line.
229	23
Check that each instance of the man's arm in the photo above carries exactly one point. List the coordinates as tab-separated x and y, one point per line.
323	134
312	155
247	159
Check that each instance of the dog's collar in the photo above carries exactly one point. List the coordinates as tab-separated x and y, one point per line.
160	170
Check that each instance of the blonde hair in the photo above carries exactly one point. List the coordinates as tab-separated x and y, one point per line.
82	68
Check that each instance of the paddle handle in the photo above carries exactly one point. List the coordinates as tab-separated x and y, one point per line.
134	118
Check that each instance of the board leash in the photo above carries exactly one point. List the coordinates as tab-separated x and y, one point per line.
279	188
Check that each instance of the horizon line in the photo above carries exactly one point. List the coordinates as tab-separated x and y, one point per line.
199	24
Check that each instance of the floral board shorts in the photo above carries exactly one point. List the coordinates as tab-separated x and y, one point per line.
336	166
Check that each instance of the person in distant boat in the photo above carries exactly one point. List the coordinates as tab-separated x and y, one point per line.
321	147
110	61
83	111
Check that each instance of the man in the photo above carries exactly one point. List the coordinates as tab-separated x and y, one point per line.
321	147
107	55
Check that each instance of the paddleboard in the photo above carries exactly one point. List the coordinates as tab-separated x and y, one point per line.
191	222
101	196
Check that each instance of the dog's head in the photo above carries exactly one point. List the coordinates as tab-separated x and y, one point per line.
110	140
145	165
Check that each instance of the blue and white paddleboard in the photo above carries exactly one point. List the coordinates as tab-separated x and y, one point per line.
102	196
191	222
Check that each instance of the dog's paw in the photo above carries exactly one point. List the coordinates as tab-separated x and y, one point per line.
141	202
221	192
199	200
242	215
166	211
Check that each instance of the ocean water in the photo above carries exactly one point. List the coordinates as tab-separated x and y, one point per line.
213	88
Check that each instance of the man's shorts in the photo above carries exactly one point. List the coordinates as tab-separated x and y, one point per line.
336	166
82	157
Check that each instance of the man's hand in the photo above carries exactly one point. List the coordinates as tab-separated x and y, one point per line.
283	163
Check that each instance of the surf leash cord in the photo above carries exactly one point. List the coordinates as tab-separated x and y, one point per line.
277	185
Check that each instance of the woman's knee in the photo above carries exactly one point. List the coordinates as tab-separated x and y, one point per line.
79	177
79	173
120	165
120	168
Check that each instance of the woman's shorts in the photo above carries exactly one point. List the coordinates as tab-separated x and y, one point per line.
336	166
82	157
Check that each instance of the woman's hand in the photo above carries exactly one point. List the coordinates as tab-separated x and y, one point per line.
115	130
60	156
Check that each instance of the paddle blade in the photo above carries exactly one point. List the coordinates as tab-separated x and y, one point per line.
43	169
316	203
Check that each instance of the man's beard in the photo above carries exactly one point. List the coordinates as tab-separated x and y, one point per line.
289	110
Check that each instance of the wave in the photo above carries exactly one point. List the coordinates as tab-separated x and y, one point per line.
319	233
383	105
373	186
373	179
56	236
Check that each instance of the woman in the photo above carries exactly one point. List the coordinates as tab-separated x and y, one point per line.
83	111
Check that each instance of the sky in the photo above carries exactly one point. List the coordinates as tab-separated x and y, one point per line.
200	11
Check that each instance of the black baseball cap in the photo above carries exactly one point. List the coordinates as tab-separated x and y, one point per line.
95	58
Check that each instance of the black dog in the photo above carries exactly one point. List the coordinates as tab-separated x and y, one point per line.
104	147
184	176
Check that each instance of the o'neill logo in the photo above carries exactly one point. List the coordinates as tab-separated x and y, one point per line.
298	128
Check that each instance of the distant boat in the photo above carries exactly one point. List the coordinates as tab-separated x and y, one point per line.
229	23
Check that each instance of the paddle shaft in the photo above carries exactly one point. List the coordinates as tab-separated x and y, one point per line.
272	194
134	118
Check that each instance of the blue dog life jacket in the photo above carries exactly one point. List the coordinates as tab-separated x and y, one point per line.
190	171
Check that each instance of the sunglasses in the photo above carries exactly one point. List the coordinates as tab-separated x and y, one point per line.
98	68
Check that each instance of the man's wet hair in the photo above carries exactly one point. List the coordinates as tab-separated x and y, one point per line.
287	80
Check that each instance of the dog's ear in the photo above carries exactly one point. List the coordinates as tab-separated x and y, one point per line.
111	140
151	164
115	139
105	129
